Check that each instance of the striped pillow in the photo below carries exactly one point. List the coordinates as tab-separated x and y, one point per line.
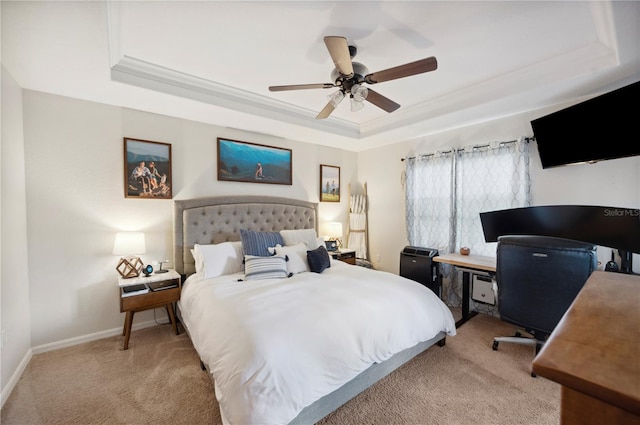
256	267
257	243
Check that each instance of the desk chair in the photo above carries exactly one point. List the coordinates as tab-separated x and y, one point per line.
538	278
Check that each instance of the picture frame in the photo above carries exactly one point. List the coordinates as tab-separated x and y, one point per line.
147	169
329	183
248	162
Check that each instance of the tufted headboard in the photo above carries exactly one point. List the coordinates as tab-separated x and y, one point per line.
219	219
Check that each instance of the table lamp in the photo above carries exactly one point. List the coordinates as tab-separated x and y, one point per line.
334	232
129	244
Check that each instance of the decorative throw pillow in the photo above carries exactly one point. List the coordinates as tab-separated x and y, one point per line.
218	259
318	259
258	243
294	237
296	256
256	267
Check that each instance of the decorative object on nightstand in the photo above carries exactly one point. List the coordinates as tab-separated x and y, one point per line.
148	269
146	293
128	244
160	269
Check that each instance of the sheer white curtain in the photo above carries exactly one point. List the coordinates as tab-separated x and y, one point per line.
446	192
488	178
429	202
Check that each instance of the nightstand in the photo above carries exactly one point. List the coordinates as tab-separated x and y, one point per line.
167	291
345	255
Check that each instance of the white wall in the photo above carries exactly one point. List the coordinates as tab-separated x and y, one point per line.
608	183
75	202
15	322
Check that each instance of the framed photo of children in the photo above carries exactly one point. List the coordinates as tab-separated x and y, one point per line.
329	183
147	169
253	163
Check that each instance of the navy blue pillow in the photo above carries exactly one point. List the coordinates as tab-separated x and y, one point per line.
318	259
257	243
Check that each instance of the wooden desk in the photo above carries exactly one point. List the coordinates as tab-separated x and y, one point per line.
594	353
468	264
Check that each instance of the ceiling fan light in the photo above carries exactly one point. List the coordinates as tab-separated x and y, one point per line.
356	105
336	98
359	92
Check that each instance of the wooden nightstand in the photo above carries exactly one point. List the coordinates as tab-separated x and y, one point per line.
152	299
345	255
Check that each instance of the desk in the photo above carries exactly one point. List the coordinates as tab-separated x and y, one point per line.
593	353
468	264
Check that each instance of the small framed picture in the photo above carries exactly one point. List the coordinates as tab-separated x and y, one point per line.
329	183
147	169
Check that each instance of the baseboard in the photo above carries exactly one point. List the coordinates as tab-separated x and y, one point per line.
8	389
88	338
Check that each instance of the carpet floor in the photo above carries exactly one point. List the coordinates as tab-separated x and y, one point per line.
159	381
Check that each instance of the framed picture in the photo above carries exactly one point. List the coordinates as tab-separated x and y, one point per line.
329	183
147	169
249	162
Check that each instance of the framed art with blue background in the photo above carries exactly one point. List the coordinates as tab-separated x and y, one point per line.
250	162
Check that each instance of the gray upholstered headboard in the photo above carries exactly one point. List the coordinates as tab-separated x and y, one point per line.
219	219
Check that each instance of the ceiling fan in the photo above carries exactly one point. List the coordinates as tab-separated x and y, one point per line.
350	77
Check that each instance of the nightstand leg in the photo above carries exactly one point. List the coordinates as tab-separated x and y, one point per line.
172	317
128	321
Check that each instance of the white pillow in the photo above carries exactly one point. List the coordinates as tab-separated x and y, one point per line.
198	260
257	267
219	259
294	237
297	255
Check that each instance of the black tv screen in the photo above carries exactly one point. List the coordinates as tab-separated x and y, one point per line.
601	128
612	227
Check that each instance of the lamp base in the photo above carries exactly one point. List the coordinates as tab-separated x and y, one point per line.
129	267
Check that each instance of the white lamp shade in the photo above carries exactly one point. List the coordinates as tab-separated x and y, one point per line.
334	229
129	243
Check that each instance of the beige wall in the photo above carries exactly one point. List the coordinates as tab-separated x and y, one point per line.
75	202
15	323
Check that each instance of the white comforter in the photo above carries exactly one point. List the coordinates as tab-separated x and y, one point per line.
275	346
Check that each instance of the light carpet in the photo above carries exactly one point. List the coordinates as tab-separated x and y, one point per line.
159	380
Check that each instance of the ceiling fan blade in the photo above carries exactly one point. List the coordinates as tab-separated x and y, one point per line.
381	101
302	87
339	51
326	111
406	70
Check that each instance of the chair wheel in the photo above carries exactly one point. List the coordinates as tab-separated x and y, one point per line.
533	375
518	334
495	345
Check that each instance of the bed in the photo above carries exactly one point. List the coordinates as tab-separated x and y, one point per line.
290	346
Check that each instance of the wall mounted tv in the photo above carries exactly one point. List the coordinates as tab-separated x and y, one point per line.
603	127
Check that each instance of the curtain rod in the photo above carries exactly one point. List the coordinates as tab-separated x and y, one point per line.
476	147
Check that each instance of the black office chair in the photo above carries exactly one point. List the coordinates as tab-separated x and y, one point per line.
538	278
